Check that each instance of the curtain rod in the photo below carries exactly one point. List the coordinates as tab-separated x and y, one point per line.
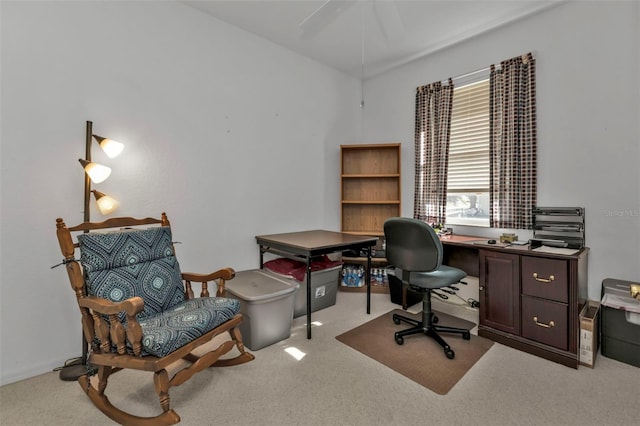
472	76
524	56
460	77
478	71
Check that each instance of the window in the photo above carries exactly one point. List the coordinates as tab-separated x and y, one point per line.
475	138
468	169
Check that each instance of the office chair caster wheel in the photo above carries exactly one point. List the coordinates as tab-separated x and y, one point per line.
396	320
466	335
449	353
399	339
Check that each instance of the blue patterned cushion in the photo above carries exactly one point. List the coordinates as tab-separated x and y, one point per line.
172	329
124	264
142	262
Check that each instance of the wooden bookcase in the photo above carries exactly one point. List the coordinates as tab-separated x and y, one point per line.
370	194
370	187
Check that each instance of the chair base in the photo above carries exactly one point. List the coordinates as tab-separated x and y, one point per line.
101	401
427	326
198	355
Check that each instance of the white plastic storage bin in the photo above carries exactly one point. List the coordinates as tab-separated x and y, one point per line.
324	282
266	303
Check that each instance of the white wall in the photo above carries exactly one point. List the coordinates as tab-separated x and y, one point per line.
229	134
587	59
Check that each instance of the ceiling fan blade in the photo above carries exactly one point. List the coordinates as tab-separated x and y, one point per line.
389	19
326	13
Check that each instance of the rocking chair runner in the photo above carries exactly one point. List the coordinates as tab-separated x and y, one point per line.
137	313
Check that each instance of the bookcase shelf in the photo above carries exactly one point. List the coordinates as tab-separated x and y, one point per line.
370	192
370	186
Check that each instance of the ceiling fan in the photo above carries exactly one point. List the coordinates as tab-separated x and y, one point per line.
386	13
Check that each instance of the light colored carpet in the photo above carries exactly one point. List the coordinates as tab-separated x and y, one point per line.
335	385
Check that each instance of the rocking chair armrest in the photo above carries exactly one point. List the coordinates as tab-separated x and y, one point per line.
225	274
220	276
130	306
114	332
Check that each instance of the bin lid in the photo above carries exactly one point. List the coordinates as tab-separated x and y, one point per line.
297	269
255	285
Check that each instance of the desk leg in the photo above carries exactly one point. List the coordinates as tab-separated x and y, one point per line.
368	279
308	298
261	257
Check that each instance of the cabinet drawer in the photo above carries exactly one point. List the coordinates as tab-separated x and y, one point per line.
546	278
545	321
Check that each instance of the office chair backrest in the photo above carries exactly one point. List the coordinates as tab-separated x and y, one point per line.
412	245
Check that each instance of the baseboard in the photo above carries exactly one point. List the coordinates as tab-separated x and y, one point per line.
7	377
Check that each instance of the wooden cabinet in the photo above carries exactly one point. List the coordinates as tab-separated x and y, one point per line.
545	297
545	322
370	187
500	291
531	301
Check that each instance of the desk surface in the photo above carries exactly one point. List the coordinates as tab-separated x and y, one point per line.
466	241
315	242
478	242
462	251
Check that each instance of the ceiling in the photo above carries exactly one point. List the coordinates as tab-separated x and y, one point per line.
394	33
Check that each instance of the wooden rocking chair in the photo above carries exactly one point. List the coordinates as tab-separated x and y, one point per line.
138	310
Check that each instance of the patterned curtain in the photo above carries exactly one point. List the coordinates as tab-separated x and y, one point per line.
512	143
432	134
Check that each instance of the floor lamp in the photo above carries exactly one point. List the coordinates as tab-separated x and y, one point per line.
95	173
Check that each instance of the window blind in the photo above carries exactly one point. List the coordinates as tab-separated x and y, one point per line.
468	169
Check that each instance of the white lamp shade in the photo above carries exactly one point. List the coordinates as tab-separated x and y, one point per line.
111	148
97	172
106	204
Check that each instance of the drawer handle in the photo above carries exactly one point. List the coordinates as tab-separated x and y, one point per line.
541	324
543	280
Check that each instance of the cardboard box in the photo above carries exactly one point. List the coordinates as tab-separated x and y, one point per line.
589	333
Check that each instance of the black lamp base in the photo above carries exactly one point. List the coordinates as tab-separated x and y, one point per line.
73	370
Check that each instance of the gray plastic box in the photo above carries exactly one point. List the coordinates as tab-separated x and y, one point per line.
266	303
324	286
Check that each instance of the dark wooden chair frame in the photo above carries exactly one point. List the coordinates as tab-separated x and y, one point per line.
113	332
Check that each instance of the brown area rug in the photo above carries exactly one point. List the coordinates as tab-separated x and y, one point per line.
420	358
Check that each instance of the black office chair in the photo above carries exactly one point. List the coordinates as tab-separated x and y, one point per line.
413	247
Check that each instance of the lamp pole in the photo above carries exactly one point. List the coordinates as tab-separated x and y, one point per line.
96	172
87	179
78	367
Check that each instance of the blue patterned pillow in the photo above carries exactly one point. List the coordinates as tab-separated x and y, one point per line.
140	262
184	323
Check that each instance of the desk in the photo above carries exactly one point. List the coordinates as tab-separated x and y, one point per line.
529	300
305	245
